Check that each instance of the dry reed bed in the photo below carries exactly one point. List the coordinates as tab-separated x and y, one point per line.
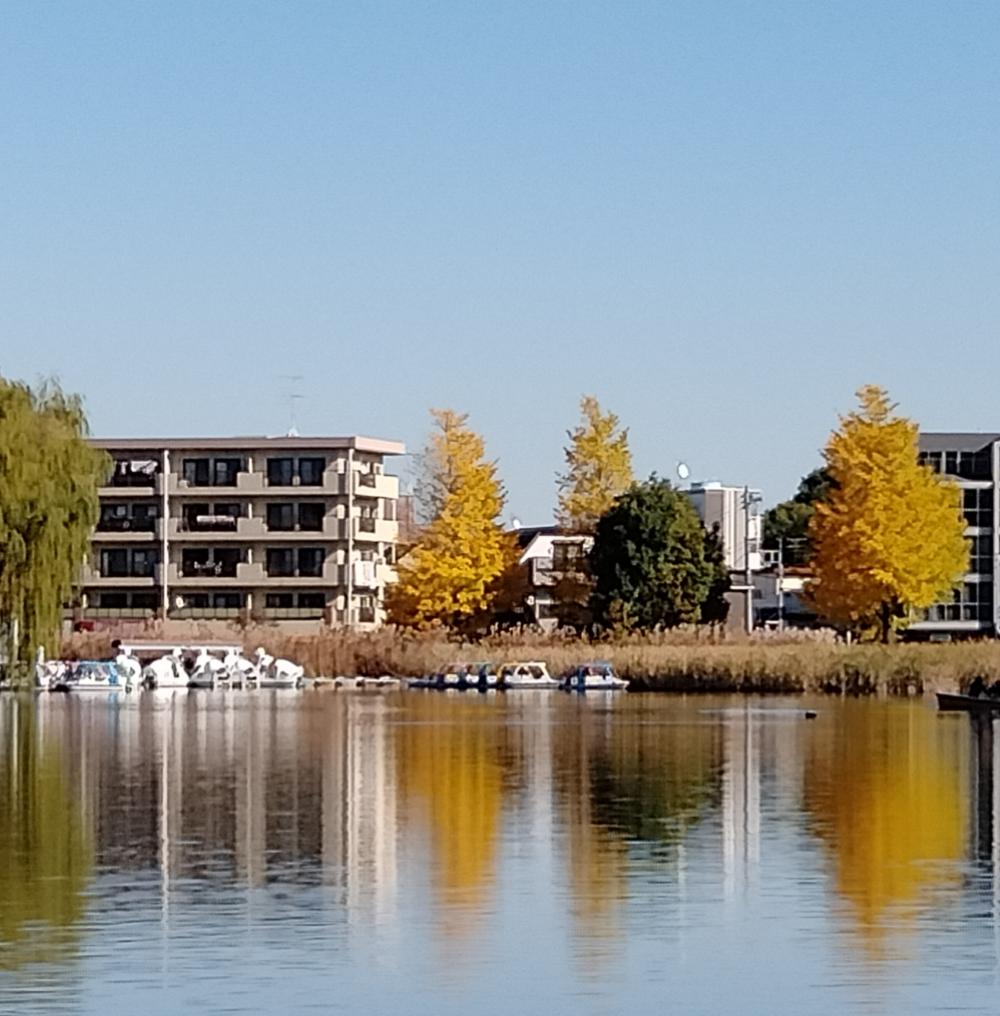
690	661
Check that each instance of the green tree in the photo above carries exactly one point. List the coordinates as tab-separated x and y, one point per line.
715	609
787	523
49	475
598	468
648	560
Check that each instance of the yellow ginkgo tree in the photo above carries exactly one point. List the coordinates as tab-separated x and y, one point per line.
451	574
889	536
598	468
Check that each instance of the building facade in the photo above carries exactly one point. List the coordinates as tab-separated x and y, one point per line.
735	511
256	529
973	462
556	576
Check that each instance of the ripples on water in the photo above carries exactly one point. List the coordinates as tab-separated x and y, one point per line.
534	853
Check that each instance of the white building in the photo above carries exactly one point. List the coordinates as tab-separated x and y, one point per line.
736	511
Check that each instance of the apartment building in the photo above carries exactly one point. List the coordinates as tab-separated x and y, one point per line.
973	462
271	529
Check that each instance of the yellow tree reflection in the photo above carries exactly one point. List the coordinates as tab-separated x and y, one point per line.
449	766
885	788
46	855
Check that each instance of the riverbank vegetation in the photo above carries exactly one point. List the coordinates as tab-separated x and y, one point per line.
686	660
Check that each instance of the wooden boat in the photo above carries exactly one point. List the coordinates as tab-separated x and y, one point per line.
952	703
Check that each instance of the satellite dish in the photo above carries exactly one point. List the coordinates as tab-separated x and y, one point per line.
515	523
682	470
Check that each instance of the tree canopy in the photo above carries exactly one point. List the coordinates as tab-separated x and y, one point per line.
787	523
452	573
598	468
49	477
889	535
648	560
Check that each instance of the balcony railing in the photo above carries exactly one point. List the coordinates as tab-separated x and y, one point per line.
127	525
209	524
209	569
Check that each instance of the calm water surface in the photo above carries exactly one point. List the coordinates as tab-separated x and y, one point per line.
533	853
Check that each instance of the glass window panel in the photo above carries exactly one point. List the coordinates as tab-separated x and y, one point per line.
280	472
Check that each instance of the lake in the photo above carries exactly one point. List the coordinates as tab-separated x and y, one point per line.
448	853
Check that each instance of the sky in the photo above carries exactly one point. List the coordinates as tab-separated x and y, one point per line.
719	218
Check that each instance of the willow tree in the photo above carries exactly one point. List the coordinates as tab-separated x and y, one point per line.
49	475
598	468
452	574
888	537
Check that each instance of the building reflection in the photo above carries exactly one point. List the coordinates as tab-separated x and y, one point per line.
885	790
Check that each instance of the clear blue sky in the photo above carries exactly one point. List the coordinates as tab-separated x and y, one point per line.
720	218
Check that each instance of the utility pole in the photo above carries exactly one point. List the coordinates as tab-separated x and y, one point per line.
781	583
749	500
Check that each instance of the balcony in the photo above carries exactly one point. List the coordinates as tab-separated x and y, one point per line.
210	575
91	577
378	530
128	531
376	485
226	529
243	483
331	528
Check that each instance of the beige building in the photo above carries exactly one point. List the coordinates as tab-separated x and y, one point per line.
256	528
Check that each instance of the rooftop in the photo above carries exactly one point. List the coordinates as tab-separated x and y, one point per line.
956	442
284	442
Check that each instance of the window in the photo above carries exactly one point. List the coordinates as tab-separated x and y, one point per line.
567	557
311	472
311	517
144	562
311	561
226	471
389	509
280	562
280	517
227	559
279	601
280	472
227	601
114	563
134	472
196	472
981	555
113	600
972	602
312	601
390	554
195	561
145	600
978	506
930	459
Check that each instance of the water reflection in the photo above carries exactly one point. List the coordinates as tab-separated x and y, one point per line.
886	792
356	830
46	856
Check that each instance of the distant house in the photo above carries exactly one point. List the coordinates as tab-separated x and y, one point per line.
553	565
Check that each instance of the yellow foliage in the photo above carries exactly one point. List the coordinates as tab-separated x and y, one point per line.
451	574
888	538
449	764
598	468
887	792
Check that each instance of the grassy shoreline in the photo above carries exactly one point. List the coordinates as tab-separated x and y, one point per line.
676	662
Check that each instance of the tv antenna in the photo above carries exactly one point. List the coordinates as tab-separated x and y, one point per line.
294	395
